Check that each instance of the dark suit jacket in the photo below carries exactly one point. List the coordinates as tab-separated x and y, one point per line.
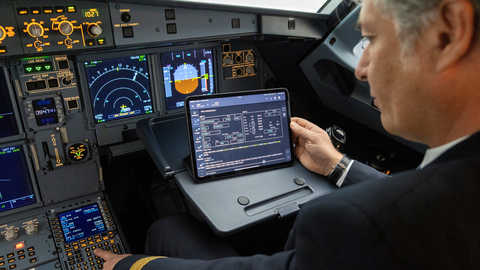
422	219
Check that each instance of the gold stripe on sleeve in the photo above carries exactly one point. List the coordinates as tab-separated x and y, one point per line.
138	265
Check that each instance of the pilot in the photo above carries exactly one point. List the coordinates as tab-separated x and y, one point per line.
422	64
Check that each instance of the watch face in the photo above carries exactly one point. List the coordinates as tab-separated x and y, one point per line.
78	152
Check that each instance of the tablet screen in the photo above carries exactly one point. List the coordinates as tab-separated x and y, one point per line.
241	132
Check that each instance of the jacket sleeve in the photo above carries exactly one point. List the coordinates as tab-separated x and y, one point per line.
360	172
279	261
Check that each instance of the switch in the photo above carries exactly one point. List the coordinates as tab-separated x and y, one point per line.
72	104
171	28
169	14
236	23
63	64
127	32
52	83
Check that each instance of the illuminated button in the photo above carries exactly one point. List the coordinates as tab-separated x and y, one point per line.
59	9
35	10
68	250
30	249
98	240
11	260
10	255
21	257
101	41
3	49
71	9
2	263
91	243
83	245
33	260
19	245
97	236
22	11
69	254
13	266
31	253
105	238
21	252
47	10
90	42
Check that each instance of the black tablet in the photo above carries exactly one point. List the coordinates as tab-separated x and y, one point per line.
236	133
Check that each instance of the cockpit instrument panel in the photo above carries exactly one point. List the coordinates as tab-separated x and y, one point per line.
119	88
187	73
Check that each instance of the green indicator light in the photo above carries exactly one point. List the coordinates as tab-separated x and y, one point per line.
38	68
47	66
28	69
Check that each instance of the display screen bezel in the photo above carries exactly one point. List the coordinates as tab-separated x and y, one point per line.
194	170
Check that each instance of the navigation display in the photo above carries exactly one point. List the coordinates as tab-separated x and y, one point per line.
119	88
15	183
8	124
81	223
241	132
187	73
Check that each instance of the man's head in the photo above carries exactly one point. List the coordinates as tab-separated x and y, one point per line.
421	64
411	16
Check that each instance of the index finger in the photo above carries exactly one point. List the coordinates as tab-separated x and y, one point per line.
104	254
306	124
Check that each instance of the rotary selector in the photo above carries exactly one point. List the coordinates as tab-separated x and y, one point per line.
35	29
11	235
94	30
66	28
31	229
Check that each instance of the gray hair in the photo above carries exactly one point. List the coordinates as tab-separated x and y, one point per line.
410	17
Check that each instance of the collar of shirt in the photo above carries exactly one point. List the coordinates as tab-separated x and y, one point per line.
433	153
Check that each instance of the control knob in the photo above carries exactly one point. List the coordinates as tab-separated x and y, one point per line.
31	229
94	30
227	60
66	28
11	235
3	33
35	29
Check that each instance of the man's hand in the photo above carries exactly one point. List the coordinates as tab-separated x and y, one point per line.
313	147
111	259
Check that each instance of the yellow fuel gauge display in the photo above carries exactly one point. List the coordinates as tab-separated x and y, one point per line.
78	152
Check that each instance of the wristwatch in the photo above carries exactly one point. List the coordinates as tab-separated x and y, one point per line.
339	169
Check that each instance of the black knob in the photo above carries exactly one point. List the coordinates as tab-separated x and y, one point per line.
125	17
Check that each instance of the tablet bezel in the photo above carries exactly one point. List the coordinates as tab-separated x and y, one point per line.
193	170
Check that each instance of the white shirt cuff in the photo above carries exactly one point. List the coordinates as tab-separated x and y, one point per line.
344	175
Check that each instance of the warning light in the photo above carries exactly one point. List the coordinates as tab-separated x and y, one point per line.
20	245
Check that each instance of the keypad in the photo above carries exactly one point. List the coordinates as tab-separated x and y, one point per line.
80	254
10	260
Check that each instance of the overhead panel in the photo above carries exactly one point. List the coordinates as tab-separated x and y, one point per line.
138	24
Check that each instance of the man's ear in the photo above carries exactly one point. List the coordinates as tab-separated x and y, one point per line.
454	30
